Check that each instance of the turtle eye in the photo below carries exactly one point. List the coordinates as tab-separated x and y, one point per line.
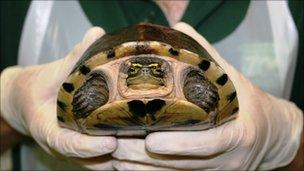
133	70
156	70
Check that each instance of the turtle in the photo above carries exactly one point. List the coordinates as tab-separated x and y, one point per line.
145	78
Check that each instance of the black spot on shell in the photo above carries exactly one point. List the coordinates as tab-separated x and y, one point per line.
60	118
137	108
231	96
153	106
111	54
222	80
173	52
235	110
61	104
204	65
68	87
84	70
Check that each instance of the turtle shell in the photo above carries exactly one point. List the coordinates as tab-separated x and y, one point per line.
86	102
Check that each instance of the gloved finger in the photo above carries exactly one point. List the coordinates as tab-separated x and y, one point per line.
93	163
64	66
74	144
195	143
127	165
65	141
233	74
90	37
96	163
134	150
187	29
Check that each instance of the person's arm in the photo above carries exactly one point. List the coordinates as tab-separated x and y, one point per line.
8	136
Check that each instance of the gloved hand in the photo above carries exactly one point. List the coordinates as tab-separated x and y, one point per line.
265	135
28	104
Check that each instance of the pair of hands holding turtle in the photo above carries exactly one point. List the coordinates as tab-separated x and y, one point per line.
255	139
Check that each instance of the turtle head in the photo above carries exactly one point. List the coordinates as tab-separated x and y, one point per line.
145	72
145	75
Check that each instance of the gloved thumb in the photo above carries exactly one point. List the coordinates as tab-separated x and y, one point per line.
187	29
90	37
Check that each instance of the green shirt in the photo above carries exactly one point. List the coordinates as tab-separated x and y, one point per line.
207	17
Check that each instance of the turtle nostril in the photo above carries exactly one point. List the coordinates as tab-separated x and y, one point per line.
145	71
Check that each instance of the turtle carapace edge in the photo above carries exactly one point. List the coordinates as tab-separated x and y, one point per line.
145	78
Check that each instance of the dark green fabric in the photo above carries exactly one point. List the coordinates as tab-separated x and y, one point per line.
297	95
12	19
215	19
114	14
207	17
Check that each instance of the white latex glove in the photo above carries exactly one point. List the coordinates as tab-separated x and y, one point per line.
265	135
28	104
